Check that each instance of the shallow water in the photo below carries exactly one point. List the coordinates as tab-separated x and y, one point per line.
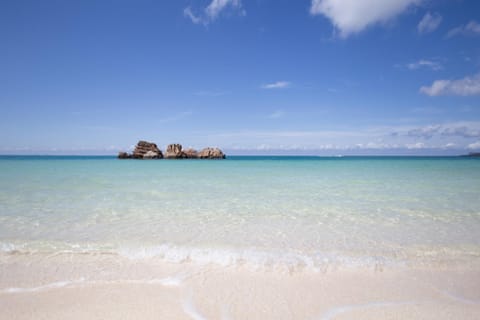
292	212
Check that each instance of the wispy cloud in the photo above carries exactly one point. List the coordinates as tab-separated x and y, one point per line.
425	132
353	16
217	6
429	23
450	145
467	86
187	12
416	145
423	63
443	136
276	114
462	130
470	29
276	85
213	11
474	146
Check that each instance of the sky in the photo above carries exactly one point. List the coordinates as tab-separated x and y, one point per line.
322	77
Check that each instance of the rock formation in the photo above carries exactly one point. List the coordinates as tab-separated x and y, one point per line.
143	147
191	153
174	151
211	153
151	155
149	150
124	155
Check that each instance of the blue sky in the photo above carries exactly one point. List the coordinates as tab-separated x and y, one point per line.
249	76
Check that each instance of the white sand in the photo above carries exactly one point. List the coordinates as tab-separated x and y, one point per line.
104	287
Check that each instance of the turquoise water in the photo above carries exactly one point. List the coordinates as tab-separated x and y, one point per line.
303	211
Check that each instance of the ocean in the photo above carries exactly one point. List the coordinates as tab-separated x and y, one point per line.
269	213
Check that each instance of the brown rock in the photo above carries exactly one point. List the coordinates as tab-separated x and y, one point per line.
123	155
174	151
150	155
211	153
143	147
191	153
149	150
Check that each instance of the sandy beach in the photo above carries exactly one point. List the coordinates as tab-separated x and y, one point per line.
239	160
360	238
118	288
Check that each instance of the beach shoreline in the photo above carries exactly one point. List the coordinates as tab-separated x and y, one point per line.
289	238
105	286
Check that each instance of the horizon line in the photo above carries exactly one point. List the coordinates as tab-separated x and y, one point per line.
254	155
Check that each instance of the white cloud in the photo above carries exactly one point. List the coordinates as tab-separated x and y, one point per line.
474	146
276	85
465	130
449	145
467	86
217	6
462	130
213	11
429	23
353	16
418	145
187	12
277	114
424	132
471	28
444	138
424	64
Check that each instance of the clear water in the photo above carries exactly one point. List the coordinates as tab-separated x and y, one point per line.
303	211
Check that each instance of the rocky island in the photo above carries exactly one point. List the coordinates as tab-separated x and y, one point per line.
149	150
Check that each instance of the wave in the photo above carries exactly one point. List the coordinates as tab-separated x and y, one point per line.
284	259
254	258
